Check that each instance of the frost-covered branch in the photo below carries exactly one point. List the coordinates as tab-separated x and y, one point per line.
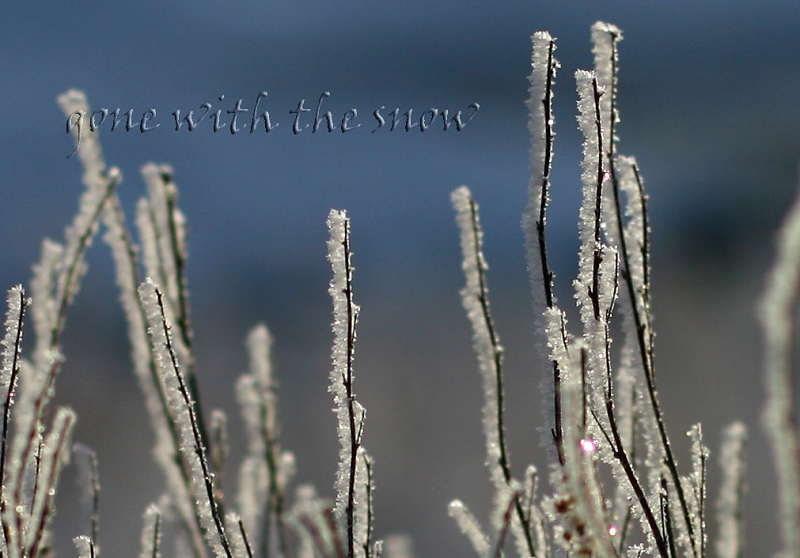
778	319
730	539
266	470
541	126
352	508
475	299
182	407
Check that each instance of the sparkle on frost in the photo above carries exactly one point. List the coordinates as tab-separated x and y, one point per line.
588	445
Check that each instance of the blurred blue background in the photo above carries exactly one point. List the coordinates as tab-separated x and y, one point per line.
708	101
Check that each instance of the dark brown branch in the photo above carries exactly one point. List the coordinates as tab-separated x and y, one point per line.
115	214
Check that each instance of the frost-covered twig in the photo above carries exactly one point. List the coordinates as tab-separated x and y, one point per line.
151	533
730	540
12	350
778	316
490	359
163	230
89	475
541	126
634	249
352	508
266	470
182	407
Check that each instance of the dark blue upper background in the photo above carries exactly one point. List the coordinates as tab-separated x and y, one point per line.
708	101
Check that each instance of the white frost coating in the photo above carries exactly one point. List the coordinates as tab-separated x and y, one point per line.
696	488
12	342
55	454
145	224
487	351
124	253
287	467
163	232
730	536
341	352
777	313
624	384
604	38
503	517
160	193
593	177
470	527
587	123
541	123
349	412
232	527
362	519
259	348
127	276
151	533
253	490
85	461
252	495
542	78
78	235
536	516
84	546
306	516
256	394
397	546
585	516
558	342
635	233
42	286
597	283
182	411
89	151
542	65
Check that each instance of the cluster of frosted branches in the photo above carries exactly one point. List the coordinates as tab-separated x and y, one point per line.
191	451
35	442
616	489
